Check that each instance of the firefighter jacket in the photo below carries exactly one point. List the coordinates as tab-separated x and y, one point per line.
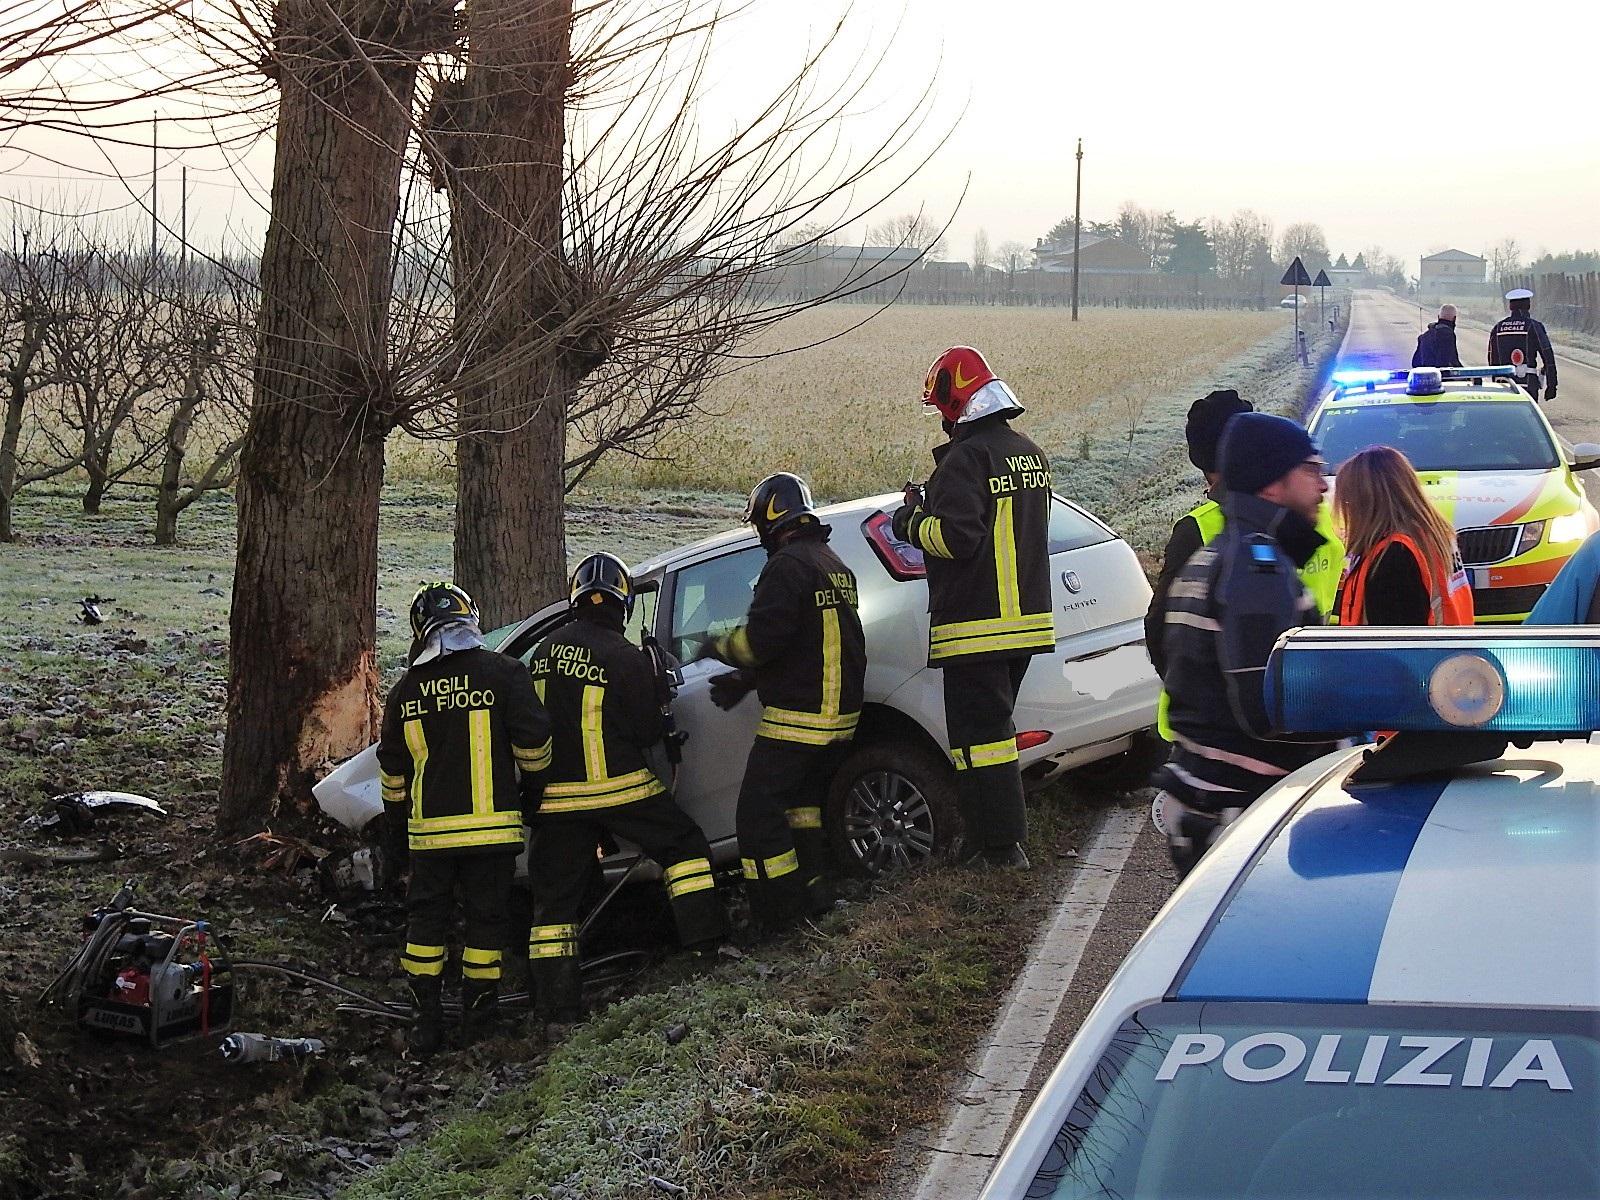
457	733
984	533
600	691
1229	605
804	644
1436	346
1520	331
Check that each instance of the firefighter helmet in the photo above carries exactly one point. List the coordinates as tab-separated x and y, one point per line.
601	575
437	604
778	502
963	388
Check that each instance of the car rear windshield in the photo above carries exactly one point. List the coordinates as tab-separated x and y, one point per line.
1318	1102
1482	435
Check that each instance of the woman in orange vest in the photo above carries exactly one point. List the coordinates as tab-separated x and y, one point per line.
1403	566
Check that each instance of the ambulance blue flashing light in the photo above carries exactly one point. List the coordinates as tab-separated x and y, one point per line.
1438	680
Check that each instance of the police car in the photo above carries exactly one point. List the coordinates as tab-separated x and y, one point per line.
1384	979
1089	704
1489	461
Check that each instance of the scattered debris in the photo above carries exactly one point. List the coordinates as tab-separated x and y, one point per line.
676	1033
283	850
663	1185
25	1052
258	1047
90	606
76	812
60	856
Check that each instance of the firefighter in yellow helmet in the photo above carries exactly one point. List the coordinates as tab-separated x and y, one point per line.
982	522
464	743
600	691
803	651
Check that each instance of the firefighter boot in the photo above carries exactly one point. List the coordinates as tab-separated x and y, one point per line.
558	990
427	1027
480	1000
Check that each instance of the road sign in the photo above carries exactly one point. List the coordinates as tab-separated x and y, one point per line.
1296	275
1321	280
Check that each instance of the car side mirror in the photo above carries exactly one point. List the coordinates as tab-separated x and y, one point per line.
1585	456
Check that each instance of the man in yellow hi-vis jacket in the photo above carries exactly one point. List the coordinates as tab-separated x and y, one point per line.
463	745
982	522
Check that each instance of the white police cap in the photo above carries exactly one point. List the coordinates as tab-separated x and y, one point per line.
1519	294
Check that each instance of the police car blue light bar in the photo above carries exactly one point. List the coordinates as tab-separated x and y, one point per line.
1361	378
1351	379
1528	680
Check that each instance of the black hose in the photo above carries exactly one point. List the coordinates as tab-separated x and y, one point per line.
320	980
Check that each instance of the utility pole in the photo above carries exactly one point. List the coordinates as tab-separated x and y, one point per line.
155	222
1077	229
183	222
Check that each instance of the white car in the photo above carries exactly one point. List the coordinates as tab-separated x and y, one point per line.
1384	979
892	803
1293	301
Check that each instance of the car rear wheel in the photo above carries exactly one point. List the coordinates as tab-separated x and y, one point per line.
891	807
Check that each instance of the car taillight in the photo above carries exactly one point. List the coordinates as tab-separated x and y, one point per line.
901	559
1034	737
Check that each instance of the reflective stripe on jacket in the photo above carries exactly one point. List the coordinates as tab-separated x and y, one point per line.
1320	575
599	689
804	643
1449	597
984	532
457	733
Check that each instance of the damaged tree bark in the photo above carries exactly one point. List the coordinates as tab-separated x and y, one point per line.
302	684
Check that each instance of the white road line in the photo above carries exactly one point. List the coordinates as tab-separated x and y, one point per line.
975	1134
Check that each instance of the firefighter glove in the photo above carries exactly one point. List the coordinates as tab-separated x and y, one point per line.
730	688
710	647
396	840
531	793
901	521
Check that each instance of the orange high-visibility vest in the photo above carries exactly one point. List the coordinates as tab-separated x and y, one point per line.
1449	596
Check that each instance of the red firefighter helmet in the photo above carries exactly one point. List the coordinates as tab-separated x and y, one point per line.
955	377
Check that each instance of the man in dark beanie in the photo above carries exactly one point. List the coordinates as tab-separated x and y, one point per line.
1208	417
1436	345
1229	605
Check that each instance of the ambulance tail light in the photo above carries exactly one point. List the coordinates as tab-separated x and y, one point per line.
901	559
1349	680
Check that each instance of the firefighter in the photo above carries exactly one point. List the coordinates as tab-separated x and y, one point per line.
464	744
600	691
803	651
1519	332
982	523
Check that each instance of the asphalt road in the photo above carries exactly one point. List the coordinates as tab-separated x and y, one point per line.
1383	333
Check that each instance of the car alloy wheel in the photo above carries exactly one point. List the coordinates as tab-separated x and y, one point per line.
888	823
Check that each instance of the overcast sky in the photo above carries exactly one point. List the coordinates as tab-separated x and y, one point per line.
1414	126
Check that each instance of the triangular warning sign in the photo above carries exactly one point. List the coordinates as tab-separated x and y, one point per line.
1322	280
1296	274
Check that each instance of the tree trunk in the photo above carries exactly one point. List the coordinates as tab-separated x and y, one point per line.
505	180
169	491
95	492
17	392
302	684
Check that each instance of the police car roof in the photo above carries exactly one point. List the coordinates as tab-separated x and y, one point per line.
1479	889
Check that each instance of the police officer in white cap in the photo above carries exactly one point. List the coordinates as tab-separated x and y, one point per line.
1518	331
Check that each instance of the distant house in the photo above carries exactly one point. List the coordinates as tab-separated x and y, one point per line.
1100	256
1344	277
1451	268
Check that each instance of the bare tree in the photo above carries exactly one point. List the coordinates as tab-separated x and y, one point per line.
35	298
1505	259
1305	241
917	230
1014	257
982	255
1242	243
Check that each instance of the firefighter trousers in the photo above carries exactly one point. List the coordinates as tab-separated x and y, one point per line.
560	865
979	700
783	850
482	882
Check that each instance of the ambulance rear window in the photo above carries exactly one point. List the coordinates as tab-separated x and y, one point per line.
1332	1102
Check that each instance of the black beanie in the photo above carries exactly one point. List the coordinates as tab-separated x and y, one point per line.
1258	449
1203	429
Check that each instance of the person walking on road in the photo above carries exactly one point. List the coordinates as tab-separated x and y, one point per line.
464	744
1229	605
1436	345
803	651
600	691
982	522
1404	567
1208	417
1520	340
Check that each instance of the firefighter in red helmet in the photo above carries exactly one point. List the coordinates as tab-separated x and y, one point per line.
982	523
